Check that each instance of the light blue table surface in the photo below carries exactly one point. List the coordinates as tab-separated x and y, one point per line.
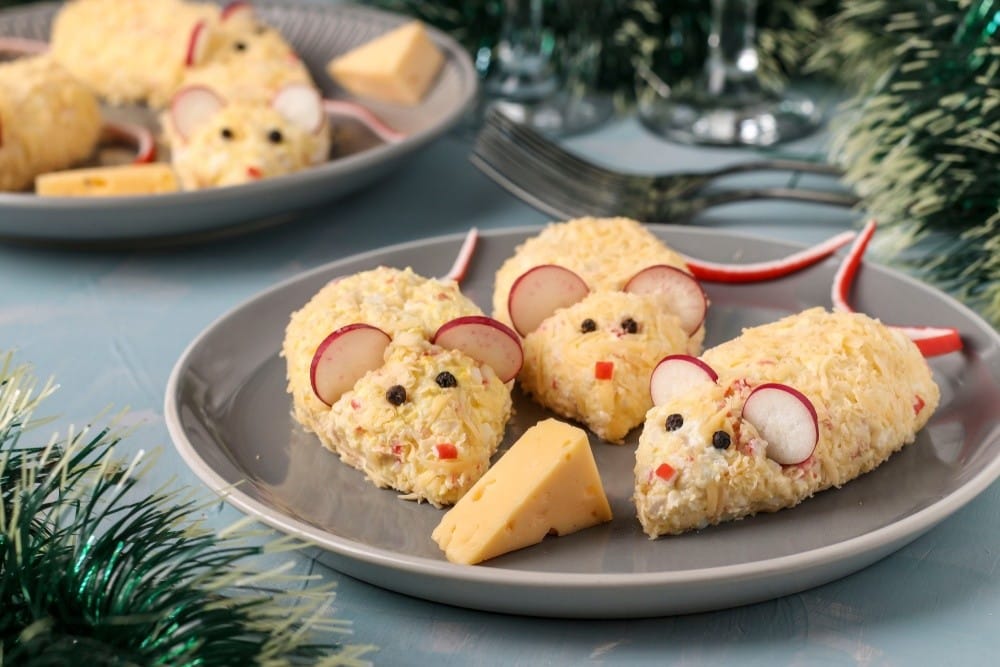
110	325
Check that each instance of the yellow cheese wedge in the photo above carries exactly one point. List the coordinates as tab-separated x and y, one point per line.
546	483
131	179
397	67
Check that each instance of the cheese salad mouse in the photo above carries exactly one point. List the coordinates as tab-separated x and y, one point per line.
764	421
404	378
599	302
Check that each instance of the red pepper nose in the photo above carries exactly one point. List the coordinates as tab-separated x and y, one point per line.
254	172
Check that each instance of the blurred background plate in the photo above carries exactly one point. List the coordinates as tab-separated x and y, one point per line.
318	32
230	418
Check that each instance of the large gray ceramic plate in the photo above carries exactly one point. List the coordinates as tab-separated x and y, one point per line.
228	415
318	31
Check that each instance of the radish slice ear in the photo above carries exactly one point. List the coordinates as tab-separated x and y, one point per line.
191	107
300	104
541	291
676	374
237	9
197	45
137	136
344	357
786	419
486	340
687	298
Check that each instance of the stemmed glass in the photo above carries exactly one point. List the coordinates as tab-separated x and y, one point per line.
726	104
538	81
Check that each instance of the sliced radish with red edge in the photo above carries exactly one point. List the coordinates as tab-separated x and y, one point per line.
191	107
541	291
931	341
677	374
235	9
486	340
365	117
761	271
197	43
137	136
687	298
344	357
786	419
301	104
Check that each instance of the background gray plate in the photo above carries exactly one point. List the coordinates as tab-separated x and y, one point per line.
318	32
228	414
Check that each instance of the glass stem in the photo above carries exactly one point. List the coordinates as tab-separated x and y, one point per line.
731	68
524	53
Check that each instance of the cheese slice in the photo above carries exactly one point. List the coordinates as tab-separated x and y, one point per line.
546	483
131	179
397	67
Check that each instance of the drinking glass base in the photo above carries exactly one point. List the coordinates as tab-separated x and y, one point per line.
557	115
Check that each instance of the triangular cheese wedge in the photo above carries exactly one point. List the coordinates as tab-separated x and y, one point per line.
546	483
397	67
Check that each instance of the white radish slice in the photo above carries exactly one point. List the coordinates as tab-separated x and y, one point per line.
786	419
486	340
464	258
301	104
236	9
197	43
365	117
344	357
138	136
541	291
191	107
22	46
677	374
686	297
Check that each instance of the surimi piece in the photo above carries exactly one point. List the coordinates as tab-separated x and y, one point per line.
546	483
796	406
398	67
133	179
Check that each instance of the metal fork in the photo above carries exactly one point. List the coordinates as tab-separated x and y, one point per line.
561	184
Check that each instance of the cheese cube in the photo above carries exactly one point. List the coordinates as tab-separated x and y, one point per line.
546	483
397	67
131	179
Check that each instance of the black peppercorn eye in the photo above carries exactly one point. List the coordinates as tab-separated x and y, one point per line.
630	326
445	379
275	136
588	325
396	394
240	46
674	422
226	133
721	440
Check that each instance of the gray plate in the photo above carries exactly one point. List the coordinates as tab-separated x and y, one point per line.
228	414
318	32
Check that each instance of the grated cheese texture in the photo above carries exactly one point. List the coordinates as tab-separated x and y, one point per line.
560	357
127	51
398	446
209	159
872	391
48	121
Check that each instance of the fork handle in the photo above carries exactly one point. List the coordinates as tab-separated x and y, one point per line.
804	166
787	194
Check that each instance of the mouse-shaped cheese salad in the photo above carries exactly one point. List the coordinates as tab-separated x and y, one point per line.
764	421
48	120
404	378
586	295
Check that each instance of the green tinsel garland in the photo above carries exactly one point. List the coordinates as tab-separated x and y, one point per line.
920	142
93	574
